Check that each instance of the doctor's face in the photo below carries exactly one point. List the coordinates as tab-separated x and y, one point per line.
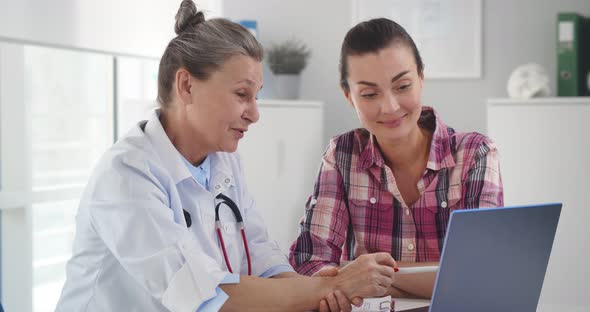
225	104
385	90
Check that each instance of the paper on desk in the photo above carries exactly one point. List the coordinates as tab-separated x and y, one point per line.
381	304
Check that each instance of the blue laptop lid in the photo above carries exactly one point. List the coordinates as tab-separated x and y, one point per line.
495	259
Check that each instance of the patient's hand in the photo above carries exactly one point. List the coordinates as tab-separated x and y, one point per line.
370	275
367	276
336	301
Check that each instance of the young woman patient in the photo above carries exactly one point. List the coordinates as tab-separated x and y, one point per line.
391	185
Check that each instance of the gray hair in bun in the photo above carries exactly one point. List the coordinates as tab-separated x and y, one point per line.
187	16
202	46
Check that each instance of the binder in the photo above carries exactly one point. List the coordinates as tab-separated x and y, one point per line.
573	54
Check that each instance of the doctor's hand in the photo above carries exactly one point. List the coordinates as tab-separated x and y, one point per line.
336	301
370	275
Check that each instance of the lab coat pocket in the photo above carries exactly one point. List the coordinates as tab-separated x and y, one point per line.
229	228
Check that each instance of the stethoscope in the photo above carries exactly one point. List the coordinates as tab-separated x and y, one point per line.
234	208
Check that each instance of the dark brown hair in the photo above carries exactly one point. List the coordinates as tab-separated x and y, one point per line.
370	37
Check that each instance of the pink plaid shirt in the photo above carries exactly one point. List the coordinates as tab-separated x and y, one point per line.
356	207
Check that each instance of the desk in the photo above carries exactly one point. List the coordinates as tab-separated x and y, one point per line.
576	307
407	304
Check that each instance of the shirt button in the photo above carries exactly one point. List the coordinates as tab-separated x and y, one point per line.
407	212
373	200
227	180
313	201
411	247
443	204
217	186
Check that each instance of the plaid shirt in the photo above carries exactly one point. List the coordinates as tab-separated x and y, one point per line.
356	207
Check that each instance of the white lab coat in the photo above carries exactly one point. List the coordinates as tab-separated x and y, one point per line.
133	250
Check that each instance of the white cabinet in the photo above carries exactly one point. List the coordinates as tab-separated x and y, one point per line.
544	149
281	154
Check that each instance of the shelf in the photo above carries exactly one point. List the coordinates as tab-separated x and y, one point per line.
289	103
55	231
55	193
51	261
51	146
70	174
14	199
571	100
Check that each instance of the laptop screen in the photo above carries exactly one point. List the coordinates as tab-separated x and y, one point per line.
495	259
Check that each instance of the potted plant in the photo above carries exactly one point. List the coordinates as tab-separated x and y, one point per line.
286	61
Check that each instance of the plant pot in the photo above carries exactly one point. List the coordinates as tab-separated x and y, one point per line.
287	86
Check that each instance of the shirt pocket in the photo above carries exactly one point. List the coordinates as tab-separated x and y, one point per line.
363	197
444	201
231	234
368	205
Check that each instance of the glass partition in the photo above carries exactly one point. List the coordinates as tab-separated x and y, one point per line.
71	100
137	90
66	107
70	95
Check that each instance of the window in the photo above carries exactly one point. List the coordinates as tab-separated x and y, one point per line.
137	90
59	114
70	95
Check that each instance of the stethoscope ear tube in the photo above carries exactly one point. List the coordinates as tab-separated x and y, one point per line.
232	205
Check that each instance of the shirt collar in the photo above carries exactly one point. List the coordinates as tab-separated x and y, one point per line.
370	155
440	155
165	149
201	173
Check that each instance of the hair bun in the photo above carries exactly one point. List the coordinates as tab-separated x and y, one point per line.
187	16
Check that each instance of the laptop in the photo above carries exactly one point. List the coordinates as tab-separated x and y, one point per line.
494	259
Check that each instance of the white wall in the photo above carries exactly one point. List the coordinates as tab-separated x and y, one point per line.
514	32
320	24
136	27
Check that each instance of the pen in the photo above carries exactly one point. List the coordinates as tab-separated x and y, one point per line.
419	269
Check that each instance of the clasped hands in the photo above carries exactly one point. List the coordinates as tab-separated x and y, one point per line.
370	275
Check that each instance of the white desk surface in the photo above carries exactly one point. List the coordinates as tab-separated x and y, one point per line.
576	307
407	304
402	304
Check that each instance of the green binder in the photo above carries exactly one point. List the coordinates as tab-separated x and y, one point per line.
573	54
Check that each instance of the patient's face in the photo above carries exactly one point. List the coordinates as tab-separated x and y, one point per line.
385	90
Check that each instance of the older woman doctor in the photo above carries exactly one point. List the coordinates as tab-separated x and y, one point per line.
166	222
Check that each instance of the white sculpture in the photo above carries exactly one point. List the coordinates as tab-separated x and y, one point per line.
527	81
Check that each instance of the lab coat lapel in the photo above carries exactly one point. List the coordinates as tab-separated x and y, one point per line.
221	177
